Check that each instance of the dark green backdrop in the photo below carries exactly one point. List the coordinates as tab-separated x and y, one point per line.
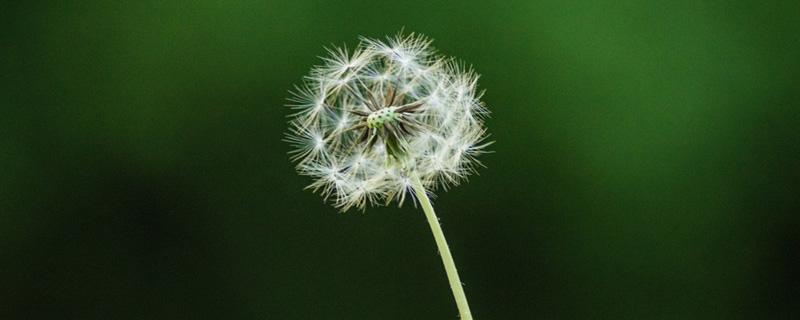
647	164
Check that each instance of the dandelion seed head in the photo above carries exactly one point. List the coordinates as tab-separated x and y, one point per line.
367	121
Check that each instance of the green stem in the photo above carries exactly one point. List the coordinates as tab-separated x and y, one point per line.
444	250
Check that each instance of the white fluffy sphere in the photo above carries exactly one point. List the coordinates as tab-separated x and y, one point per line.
368	122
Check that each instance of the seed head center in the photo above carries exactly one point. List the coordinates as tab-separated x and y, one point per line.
376	119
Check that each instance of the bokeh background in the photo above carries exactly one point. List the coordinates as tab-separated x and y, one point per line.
647	164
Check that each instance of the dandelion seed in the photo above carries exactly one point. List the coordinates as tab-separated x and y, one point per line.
396	103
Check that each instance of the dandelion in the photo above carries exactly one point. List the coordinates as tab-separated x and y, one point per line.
389	119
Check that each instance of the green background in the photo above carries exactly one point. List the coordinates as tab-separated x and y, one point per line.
646	165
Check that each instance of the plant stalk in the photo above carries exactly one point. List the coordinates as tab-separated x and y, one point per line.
444	250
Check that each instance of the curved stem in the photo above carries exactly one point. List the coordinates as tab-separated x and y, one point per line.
444	250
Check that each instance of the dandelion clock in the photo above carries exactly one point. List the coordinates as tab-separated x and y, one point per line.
387	120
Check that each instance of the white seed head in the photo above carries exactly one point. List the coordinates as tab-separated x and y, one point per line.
369	120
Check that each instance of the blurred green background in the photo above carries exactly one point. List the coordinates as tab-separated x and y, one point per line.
647	164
